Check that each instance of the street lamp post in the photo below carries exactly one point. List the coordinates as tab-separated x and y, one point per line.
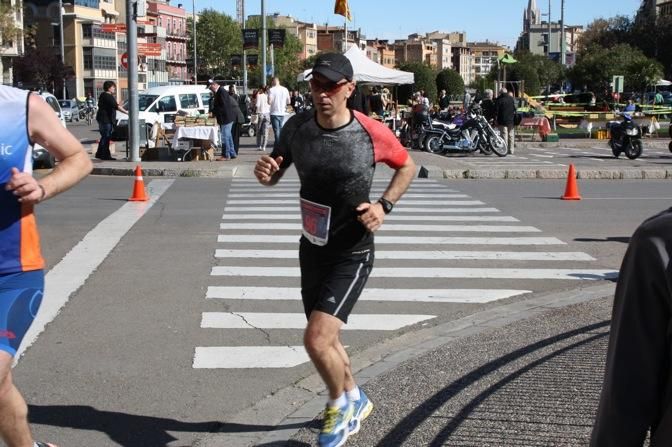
60	27
263	43
193	10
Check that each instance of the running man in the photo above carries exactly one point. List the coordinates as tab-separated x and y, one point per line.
26	119
335	151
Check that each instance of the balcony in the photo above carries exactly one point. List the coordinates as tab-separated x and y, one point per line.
177	35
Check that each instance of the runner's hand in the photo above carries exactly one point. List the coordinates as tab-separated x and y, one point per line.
25	187
371	215
266	167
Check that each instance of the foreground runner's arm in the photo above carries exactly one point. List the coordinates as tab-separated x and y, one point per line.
267	170
45	128
372	215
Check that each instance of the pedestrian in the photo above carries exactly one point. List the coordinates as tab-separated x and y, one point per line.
278	98
376	102
26	118
488	106
335	150
658	99
297	102
444	101
107	118
636	395
222	109
357	101
263	118
505	112
467	100
237	126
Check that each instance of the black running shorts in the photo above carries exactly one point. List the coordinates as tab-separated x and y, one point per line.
331	282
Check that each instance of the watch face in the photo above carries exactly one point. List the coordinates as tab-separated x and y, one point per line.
387	206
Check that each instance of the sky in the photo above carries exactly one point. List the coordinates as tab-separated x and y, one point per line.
493	20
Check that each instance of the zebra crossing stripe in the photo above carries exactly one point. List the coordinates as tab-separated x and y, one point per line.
389	218
239	357
261	320
405	203
405	240
370	294
433	272
424	255
393	227
295	194
397	210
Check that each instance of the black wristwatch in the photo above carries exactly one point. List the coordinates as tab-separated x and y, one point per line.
387	205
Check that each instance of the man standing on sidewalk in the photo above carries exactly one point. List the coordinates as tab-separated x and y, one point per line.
505	112
335	150
107	117
222	109
278	98
26	119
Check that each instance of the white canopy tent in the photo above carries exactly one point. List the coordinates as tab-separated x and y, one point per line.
367	71
663	83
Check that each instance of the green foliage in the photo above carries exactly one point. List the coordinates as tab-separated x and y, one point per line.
424	80
39	68
218	36
536	70
8	28
596	68
450	81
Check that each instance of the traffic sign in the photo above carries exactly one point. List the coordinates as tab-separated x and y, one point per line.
617	84
124	60
149	49
113	27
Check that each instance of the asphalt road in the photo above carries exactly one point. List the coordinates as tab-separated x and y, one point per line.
119	364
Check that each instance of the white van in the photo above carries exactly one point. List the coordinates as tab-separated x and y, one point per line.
162	103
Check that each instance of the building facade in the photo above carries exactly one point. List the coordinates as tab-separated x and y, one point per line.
90	54
305	32
172	19
462	62
415	49
12	46
485	56
332	38
381	52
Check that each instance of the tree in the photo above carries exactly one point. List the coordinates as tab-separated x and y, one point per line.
8	29
425	79
605	33
218	37
39	68
536	71
450	81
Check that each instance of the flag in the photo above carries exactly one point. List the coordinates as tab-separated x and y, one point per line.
341	8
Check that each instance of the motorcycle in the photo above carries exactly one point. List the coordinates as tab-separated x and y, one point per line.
475	134
626	136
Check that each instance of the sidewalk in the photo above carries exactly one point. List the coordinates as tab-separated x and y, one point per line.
522	374
429	165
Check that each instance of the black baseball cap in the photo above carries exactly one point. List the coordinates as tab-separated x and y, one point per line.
210	82
333	66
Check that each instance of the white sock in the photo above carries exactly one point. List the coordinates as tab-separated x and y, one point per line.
353	394
340	402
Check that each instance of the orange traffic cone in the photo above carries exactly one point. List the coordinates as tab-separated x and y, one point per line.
139	194
572	189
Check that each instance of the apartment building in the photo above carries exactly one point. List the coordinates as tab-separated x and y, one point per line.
381	52
305	32
416	49
333	38
484	57
172	19
90	53
11	47
462	62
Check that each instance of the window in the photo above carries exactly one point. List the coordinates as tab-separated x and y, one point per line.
167	104
145	101
206	98
104	62
54	104
86	31
88	58
189	101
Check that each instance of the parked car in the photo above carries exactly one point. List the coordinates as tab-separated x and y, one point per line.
42	157
667	97
70	109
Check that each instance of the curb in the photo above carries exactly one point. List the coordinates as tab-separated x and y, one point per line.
303	401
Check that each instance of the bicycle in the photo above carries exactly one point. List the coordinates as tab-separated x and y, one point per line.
89	115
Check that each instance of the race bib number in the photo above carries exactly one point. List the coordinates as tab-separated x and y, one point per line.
315	219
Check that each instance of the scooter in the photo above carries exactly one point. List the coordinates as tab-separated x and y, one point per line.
626	136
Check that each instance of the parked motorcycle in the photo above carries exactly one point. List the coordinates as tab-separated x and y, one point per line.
475	134
626	136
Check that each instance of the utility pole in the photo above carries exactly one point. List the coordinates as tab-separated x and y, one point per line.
550	30
263	43
241	18
132	39
193	13
563	55
60	17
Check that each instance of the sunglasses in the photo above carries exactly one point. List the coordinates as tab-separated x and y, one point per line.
329	87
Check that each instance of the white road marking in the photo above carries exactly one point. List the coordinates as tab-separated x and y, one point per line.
425	255
390	218
438	202
433	272
371	294
398	209
261	320
412	240
282	195
229	357
394	227
72	271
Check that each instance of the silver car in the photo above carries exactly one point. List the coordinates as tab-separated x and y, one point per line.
70	109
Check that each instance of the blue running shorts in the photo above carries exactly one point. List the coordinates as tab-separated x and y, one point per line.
20	298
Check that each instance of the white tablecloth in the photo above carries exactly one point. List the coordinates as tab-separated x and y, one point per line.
198	133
